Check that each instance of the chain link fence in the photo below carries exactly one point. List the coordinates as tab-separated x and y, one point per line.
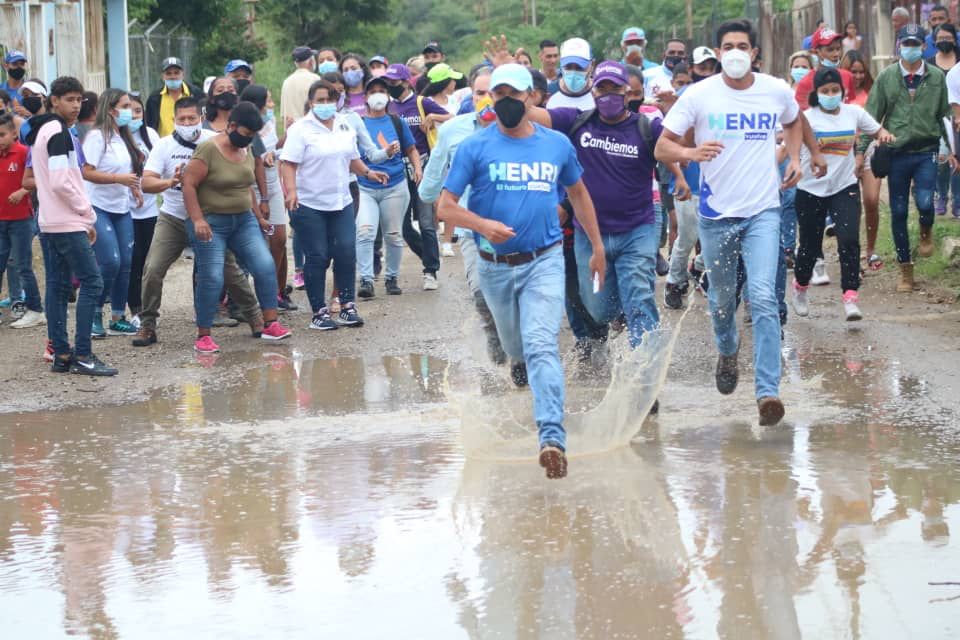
149	46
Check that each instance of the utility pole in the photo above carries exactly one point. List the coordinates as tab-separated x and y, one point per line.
533	10
690	20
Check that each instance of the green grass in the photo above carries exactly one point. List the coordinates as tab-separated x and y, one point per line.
936	271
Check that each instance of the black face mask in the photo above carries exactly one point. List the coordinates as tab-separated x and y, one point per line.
697	77
241	85
396	91
240	141
634	105
225	101
510	111
946	46
33	104
430	65
671	61
17	73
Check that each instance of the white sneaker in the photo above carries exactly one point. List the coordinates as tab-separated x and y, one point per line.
850	308
30	319
430	282
800	304
447	250
820	277
135	321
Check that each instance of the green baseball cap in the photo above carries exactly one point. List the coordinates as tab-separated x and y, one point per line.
441	72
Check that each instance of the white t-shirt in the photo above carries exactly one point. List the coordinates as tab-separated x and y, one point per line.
167	155
561	101
743	181
323	157
953	84
655	80
149	208
837	135
114	158
268	135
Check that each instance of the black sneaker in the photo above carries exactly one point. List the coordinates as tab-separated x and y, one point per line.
663	267
673	295
393	289
349	316
91	366
366	289
655	409
322	321
377	264
62	364
727	373
518	373
284	303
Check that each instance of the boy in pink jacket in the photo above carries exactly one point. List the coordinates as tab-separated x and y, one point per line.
66	229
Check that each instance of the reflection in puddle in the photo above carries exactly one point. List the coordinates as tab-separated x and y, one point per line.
331	499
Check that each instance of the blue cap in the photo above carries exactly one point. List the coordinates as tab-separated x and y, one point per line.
632	33
233	65
15	56
514	75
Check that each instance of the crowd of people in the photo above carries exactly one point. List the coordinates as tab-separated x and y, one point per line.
560	186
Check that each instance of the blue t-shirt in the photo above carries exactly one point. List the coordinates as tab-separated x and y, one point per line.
515	181
13	93
384	134
692	175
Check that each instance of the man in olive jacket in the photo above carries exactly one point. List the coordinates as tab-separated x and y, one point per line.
909	99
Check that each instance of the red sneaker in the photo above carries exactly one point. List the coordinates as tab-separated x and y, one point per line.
48	354
205	344
275	331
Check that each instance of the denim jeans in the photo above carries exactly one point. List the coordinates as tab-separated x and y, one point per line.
327	236
65	254
687	236
16	243
527	305
754	239
425	243
581	322
381	209
920	169
948	182
630	279
114	250
240	233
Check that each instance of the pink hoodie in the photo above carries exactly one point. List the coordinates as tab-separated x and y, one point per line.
64	206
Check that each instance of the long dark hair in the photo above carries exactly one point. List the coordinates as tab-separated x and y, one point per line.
435	88
143	131
210	110
363	67
855	56
106	123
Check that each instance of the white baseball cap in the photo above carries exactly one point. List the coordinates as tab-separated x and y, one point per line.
702	54
35	88
575	51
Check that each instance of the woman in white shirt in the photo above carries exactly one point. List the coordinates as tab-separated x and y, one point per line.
112	168
837	194
144	216
319	154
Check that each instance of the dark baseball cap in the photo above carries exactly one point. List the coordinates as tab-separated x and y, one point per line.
912	32
171	62
433	45
303	53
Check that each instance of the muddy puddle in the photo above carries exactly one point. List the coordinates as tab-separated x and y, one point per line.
332	499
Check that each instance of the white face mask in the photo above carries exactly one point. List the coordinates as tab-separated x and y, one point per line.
736	63
189	132
378	101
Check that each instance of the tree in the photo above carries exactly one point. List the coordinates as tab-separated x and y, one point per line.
341	23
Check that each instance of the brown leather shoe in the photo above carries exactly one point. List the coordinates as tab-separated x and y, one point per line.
905	284
554	460
145	337
771	411
926	249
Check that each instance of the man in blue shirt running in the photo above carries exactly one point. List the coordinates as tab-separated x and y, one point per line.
514	172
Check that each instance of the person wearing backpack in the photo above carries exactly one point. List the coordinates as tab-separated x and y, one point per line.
383	205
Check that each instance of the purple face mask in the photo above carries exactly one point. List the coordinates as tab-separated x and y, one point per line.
610	106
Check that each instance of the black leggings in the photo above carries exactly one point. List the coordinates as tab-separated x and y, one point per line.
812	211
142	238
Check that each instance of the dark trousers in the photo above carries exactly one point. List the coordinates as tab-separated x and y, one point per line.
327	236
425	244
142	239
812	212
63	254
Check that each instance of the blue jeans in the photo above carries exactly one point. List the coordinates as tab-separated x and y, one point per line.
383	209
527	306
756	240
65	254
16	243
921	170
327	236
948	182
630	279
240	233
114	250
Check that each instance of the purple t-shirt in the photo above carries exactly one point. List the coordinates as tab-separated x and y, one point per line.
357	102
409	111
617	168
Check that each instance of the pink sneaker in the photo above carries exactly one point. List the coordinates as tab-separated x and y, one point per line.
275	331
205	344
298	282
48	354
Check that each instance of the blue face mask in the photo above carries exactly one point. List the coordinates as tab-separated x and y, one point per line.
799	73
268	116
911	54
576	81
829	64
124	117
135	125
173	85
353	78
325	111
829	103
326	67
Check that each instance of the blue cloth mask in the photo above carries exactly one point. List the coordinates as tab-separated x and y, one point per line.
576	81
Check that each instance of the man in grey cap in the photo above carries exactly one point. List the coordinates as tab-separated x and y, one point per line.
293	93
159	109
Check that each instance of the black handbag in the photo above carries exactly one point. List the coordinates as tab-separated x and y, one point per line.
880	162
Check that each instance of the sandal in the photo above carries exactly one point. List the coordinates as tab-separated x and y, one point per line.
875	262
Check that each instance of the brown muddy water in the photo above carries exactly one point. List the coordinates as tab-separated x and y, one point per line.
332	499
